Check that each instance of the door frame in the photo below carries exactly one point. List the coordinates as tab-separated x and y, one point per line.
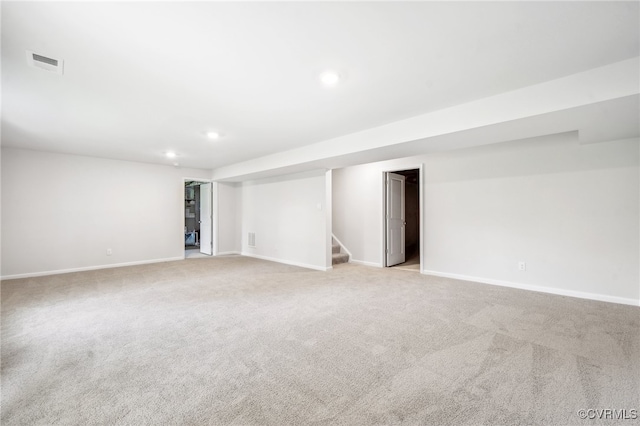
214	212
396	252
209	218
420	168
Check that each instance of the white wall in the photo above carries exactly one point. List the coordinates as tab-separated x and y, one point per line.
600	102
357	211
61	212
570	211
229	217
283	212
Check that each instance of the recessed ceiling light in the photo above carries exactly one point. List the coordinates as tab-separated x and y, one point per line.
329	78
170	154
213	135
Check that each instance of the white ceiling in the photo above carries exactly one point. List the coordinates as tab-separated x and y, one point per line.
144	78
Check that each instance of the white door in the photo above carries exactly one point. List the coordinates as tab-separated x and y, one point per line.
395	219
206	240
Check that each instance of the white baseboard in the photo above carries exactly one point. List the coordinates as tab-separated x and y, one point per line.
287	262
226	253
88	268
541	289
362	262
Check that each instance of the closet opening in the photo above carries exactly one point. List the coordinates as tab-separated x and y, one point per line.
403	219
198	239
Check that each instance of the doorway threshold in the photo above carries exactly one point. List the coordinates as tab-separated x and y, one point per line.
412	263
194	254
403	266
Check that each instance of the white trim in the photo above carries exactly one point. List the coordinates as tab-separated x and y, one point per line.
383	263
226	253
181	204
362	262
342	246
89	268
540	289
215	214
421	187
287	262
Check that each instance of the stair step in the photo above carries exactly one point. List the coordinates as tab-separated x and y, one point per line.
335	248
338	258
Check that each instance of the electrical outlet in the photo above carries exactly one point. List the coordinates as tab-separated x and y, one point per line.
522	266
109	252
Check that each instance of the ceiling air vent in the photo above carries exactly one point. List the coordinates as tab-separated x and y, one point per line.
45	62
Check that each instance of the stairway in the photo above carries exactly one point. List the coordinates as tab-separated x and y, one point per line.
337	255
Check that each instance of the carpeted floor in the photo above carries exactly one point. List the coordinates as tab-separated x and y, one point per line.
242	341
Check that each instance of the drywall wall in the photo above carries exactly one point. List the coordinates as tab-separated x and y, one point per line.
569	210
287	215
593	101
229	218
357	211
62	212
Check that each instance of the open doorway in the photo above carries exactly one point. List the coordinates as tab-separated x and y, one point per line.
403	219
198	239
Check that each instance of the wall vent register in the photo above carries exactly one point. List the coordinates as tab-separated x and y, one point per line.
45	62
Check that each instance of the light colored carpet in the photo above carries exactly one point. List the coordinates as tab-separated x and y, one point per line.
242	341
